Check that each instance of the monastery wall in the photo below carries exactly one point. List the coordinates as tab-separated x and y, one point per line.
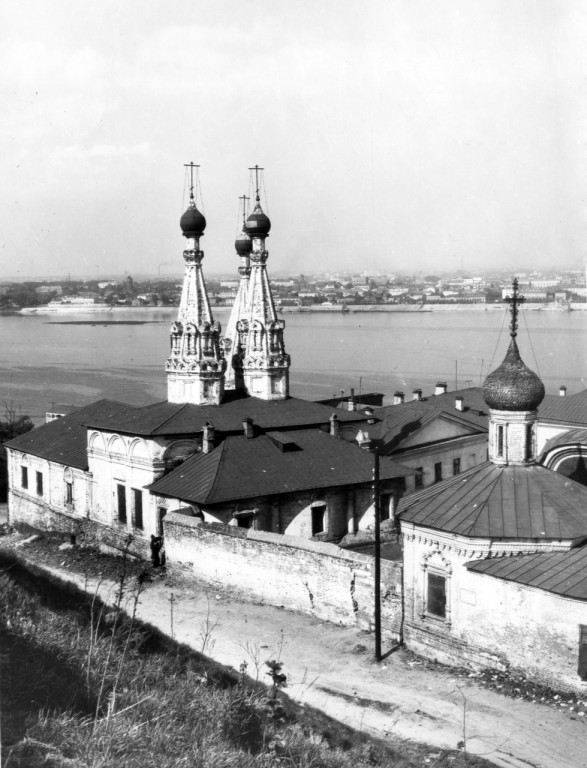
308	576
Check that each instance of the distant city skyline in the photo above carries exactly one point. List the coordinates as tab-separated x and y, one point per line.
428	135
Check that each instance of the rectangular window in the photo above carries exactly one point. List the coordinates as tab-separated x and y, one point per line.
582	652
500	441
419	479
318	513
436	600
68	493
529	441
121	499
138	507
244	521
24	477
39	483
438	472
456	466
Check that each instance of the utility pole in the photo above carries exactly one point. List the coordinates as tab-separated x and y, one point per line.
377	585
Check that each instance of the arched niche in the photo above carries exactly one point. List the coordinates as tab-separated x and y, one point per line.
96	442
138	449
179	450
116	446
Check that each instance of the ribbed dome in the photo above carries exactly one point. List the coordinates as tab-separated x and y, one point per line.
243	244
513	386
192	223
258	224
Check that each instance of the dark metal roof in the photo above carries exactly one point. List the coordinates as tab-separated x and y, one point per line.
571	409
184	419
241	468
489	501
400	421
65	440
562	573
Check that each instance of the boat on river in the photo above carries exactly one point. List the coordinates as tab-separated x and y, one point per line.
68	305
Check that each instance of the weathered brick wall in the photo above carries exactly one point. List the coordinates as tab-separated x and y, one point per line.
313	577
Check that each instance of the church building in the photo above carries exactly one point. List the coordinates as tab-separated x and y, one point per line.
229	445
495	558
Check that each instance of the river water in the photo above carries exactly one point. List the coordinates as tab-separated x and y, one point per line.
46	360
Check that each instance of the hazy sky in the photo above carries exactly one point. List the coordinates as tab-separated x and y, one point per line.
416	134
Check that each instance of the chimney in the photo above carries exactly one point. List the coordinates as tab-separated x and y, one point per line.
398	398
248	428
363	440
459	405
334	425
208	438
562	390
417	394
369	414
441	388
351	401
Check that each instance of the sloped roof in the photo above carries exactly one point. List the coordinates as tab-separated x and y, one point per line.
511	502
571	409
184	418
562	573
400	421
65	440
241	468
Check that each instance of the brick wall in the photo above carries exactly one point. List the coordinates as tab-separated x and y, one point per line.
308	576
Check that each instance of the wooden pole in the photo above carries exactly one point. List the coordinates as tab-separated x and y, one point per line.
377	589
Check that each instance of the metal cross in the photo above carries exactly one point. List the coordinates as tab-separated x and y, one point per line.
191	166
256	168
515	300
244	198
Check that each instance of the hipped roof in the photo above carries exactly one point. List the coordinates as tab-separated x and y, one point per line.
502	502
242	467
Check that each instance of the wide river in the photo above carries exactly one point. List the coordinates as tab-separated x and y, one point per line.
47	360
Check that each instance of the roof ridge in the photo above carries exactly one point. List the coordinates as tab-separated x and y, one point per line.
489	484
218	455
173	415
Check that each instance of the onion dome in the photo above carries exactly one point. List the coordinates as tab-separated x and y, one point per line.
192	223
258	224
243	244
513	386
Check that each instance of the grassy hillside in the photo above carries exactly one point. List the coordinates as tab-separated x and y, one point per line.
86	685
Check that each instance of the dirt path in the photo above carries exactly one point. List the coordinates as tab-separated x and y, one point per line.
332	668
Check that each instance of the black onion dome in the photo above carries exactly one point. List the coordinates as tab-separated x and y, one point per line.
243	244
192	223
258	224
513	386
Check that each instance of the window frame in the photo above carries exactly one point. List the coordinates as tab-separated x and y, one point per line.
419	478
137	508
39	482
121	506
24	477
69	493
456	466
438	471
441	580
318	507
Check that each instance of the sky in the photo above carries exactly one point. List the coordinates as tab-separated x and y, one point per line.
395	135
